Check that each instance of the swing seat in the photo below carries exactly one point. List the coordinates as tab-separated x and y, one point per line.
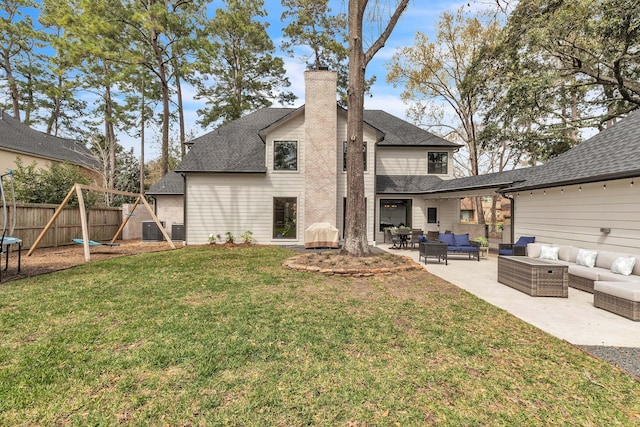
94	243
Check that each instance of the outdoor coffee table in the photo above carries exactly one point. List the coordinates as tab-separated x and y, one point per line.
533	276
434	250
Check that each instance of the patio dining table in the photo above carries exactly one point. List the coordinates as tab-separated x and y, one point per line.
404	237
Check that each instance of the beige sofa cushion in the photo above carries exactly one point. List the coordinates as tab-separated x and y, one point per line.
607	276
626	290
606	258
584	272
568	253
533	250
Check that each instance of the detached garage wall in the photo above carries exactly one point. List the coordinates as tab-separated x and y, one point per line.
574	215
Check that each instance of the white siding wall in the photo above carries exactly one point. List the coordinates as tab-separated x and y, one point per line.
408	161
574	217
218	203
449	214
401	161
236	203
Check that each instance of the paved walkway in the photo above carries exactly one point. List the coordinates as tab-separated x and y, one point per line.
573	319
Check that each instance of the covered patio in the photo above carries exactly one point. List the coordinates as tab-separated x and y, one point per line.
573	319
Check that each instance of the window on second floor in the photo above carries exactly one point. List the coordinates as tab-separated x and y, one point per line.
438	163
344	156
285	155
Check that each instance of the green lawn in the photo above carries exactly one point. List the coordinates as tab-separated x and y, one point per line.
216	336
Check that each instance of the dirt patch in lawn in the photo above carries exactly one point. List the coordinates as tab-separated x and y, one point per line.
47	260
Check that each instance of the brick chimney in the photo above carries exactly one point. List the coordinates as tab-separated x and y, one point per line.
321	145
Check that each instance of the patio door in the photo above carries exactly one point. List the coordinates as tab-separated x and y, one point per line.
433	219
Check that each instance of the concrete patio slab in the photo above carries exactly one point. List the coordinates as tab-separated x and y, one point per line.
573	319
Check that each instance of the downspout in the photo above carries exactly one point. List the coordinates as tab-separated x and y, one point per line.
184	207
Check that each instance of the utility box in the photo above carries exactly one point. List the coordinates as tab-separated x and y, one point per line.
177	232
151	232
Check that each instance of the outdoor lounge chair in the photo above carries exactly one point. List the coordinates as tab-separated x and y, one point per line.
518	248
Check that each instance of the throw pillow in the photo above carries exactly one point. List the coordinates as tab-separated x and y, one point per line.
549	252
623	265
462	239
586	258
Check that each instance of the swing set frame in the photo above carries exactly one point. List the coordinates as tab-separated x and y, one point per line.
77	190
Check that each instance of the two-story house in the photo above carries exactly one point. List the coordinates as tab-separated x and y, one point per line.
279	170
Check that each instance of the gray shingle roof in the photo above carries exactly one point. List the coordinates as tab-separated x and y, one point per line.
170	184
405	184
235	147
611	154
401	133
20	138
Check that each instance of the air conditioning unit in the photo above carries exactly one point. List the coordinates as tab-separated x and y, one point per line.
177	232
151	232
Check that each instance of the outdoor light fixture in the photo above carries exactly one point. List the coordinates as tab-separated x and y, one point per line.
580	188
604	187
562	191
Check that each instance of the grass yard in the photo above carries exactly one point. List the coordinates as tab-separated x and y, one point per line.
226	336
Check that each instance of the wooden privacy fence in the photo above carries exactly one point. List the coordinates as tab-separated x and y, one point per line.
32	218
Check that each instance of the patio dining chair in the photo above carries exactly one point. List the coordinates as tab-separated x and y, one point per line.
414	237
393	238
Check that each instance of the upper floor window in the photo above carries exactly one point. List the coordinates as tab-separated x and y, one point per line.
438	163
285	155
344	156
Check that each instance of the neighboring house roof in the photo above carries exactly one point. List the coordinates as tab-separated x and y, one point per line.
172	184
21	139
613	153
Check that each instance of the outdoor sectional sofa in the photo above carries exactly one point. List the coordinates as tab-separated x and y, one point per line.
600	273
460	244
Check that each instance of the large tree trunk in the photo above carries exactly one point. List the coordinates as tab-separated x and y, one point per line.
355	240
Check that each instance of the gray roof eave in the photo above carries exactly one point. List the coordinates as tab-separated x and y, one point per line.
497	186
577	181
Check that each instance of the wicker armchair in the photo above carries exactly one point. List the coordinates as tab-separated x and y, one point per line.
518	248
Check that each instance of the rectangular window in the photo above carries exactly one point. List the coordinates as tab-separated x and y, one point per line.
438	163
344	156
285	155
432	215
285	218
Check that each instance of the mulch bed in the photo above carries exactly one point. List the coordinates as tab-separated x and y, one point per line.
47	260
